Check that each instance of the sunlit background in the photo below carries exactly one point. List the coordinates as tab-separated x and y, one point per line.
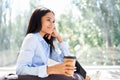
91	27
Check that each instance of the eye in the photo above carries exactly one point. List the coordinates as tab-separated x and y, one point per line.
53	21
48	19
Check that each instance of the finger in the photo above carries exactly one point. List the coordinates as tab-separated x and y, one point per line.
67	74
46	35
49	36
74	68
69	64
70	68
87	78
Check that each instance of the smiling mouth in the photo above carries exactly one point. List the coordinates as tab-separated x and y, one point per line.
51	28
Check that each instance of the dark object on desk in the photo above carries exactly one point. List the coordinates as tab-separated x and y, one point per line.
80	70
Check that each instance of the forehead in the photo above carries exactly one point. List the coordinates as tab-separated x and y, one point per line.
49	15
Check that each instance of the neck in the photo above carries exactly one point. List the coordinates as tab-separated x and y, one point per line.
42	33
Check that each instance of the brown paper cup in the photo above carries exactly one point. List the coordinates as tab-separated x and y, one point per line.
71	59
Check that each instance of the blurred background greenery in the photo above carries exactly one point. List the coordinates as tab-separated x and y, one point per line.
91	27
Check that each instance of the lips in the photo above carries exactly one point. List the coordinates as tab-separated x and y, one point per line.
51	28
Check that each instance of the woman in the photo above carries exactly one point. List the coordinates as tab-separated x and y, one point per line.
38	47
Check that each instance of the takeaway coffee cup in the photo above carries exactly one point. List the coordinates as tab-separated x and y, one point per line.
71	59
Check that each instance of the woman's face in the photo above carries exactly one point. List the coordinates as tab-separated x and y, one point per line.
47	22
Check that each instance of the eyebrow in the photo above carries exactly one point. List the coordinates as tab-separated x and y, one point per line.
50	18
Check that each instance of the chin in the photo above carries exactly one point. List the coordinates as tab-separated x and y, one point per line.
49	32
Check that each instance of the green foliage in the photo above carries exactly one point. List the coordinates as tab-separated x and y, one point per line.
93	27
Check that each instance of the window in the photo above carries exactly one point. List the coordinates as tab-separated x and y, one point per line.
91	27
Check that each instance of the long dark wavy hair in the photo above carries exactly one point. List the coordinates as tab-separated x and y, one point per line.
35	24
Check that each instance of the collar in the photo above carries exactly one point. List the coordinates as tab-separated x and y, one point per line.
40	38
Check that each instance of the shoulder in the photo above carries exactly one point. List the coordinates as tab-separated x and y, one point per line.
30	37
34	37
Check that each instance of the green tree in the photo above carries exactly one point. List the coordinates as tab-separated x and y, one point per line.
5	22
93	27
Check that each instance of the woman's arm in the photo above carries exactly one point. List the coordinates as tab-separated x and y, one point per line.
63	47
61	68
59	54
25	65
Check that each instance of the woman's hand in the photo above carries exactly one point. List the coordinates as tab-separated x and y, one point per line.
61	68
56	35
87	78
